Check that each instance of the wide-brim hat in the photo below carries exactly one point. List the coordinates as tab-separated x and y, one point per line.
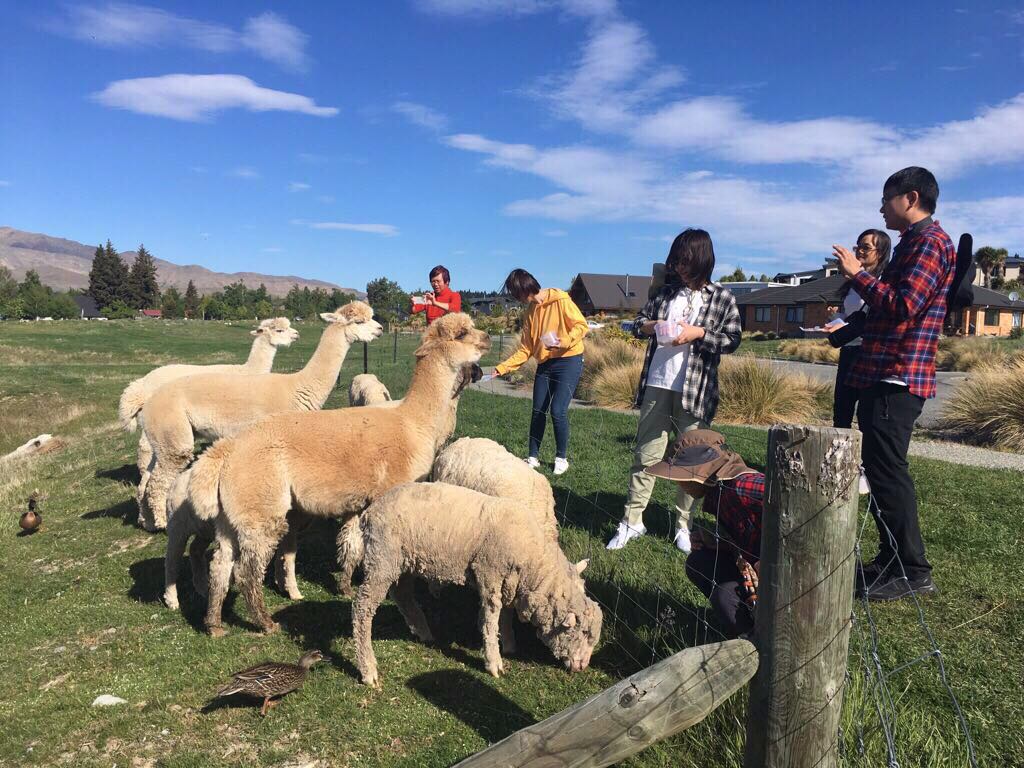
700	456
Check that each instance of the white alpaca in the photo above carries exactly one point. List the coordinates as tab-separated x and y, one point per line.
367	389
454	535
212	406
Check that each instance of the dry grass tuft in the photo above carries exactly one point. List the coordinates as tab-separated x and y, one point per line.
615	385
974	354
606	353
810	350
988	408
754	392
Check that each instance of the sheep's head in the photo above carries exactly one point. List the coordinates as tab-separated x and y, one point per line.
277	331
455	339
357	320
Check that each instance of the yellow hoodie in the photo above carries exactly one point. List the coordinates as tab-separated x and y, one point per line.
556	312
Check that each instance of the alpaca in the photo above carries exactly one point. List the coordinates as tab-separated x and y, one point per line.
366	389
270	335
219	405
329	464
471	537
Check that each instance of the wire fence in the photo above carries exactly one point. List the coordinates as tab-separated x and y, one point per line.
655	624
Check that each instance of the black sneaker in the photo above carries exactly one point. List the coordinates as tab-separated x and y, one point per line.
900	588
870	575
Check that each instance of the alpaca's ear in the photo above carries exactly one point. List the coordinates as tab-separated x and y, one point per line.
425	348
581	566
257	332
332	317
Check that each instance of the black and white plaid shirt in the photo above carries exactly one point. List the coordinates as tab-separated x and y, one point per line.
722	332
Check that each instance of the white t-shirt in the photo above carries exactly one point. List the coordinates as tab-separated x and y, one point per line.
668	366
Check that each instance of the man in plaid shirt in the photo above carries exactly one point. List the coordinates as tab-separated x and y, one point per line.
905	306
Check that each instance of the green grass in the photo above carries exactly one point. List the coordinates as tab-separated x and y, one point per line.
81	615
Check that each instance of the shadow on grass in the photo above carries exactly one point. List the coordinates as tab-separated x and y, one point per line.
473	701
126	473
127	511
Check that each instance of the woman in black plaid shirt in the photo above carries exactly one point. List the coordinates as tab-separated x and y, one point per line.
691	323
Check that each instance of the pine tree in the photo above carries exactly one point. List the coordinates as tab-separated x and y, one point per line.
108	276
143	290
191	300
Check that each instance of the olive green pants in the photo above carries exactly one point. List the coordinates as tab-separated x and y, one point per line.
661	418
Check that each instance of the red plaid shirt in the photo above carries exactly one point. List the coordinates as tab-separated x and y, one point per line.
738	505
906	307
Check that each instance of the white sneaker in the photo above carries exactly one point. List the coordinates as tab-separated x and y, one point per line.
683	540
532	461
625	534
561	466
865	486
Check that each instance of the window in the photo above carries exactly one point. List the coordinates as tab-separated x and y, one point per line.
762	314
1016	319
794	314
992	317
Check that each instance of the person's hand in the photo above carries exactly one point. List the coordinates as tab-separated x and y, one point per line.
428	298
849	264
488	377
834	324
688	334
551	340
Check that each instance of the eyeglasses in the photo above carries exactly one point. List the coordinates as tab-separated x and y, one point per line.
864	248
887	198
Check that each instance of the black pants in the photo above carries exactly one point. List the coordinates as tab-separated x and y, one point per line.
844	405
887	413
723	586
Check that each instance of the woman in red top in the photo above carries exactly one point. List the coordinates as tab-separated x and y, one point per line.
441	300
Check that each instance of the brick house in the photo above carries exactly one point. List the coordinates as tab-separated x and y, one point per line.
618	294
991	314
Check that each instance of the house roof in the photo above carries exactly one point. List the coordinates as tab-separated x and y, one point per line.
152	312
825	289
986	297
815	273
87	305
609	291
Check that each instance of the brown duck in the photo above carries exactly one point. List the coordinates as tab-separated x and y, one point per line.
32	519
271	679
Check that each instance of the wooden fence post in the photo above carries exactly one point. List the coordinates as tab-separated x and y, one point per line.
394	354
366	357
653	704
805	597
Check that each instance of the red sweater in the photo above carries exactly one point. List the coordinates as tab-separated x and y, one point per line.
447	296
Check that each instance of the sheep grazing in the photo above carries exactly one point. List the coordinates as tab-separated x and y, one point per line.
453	535
219	405
271	335
327	464
367	389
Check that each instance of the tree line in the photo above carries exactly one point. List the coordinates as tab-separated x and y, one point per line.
30	299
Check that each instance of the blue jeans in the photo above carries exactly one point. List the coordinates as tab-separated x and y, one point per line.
553	386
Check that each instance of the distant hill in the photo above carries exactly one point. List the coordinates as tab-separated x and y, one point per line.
64	264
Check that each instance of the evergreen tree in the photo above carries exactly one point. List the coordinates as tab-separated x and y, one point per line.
107	277
387	298
171	303
192	301
143	291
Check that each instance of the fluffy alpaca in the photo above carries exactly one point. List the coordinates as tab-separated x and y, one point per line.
494	543
367	389
219	405
329	464
270	335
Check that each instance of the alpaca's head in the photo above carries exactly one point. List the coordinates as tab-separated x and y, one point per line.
357	320
277	331
568	622
454	339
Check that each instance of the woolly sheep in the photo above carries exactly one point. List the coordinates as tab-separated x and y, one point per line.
493	542
367	389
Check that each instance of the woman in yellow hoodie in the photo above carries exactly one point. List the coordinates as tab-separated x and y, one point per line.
552	332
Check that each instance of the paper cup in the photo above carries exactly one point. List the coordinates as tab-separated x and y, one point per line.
666	332
549	339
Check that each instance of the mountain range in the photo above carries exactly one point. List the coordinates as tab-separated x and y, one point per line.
64	264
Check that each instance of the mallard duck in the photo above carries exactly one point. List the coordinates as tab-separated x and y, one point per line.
31	520
271	679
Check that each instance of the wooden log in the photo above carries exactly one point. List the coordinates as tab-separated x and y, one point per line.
653	704
805	597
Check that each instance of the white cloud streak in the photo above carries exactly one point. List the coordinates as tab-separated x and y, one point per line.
387	230
197	98
244	172
298	186
421	115
125	25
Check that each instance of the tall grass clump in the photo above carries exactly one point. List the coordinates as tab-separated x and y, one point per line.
988	408
754	392
615	385
971	354
810	350
605	352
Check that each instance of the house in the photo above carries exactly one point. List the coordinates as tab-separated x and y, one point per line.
620	294
1011	270
799	278
87	308
152	313
742	287
991	314
486	304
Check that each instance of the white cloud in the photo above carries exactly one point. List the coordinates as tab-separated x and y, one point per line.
297	186
325	198
482	8
421	115
125	25
995	221
198	97
198	168
555	233
273	249
388	230
4	183
244	172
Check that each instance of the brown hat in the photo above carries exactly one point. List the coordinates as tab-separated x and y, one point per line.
700	456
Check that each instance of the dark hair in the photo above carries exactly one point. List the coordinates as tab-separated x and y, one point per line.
691	259
442	271
521	285
883	244
914	179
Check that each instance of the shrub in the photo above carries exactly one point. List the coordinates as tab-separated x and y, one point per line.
754	392
811	350
970	354
1017	333
989	406
614	333
603	354
615	385
771	336
758	336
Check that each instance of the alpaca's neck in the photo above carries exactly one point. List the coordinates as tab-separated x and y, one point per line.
313	384
261	356
430	391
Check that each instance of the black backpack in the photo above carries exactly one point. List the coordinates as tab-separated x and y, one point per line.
961	290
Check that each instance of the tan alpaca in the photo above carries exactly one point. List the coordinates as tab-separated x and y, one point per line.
367	389
270	336
219	405
330	464
454	535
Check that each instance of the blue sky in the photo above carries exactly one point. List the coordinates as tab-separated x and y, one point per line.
344	141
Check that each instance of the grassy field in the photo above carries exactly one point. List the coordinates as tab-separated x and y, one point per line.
82	615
